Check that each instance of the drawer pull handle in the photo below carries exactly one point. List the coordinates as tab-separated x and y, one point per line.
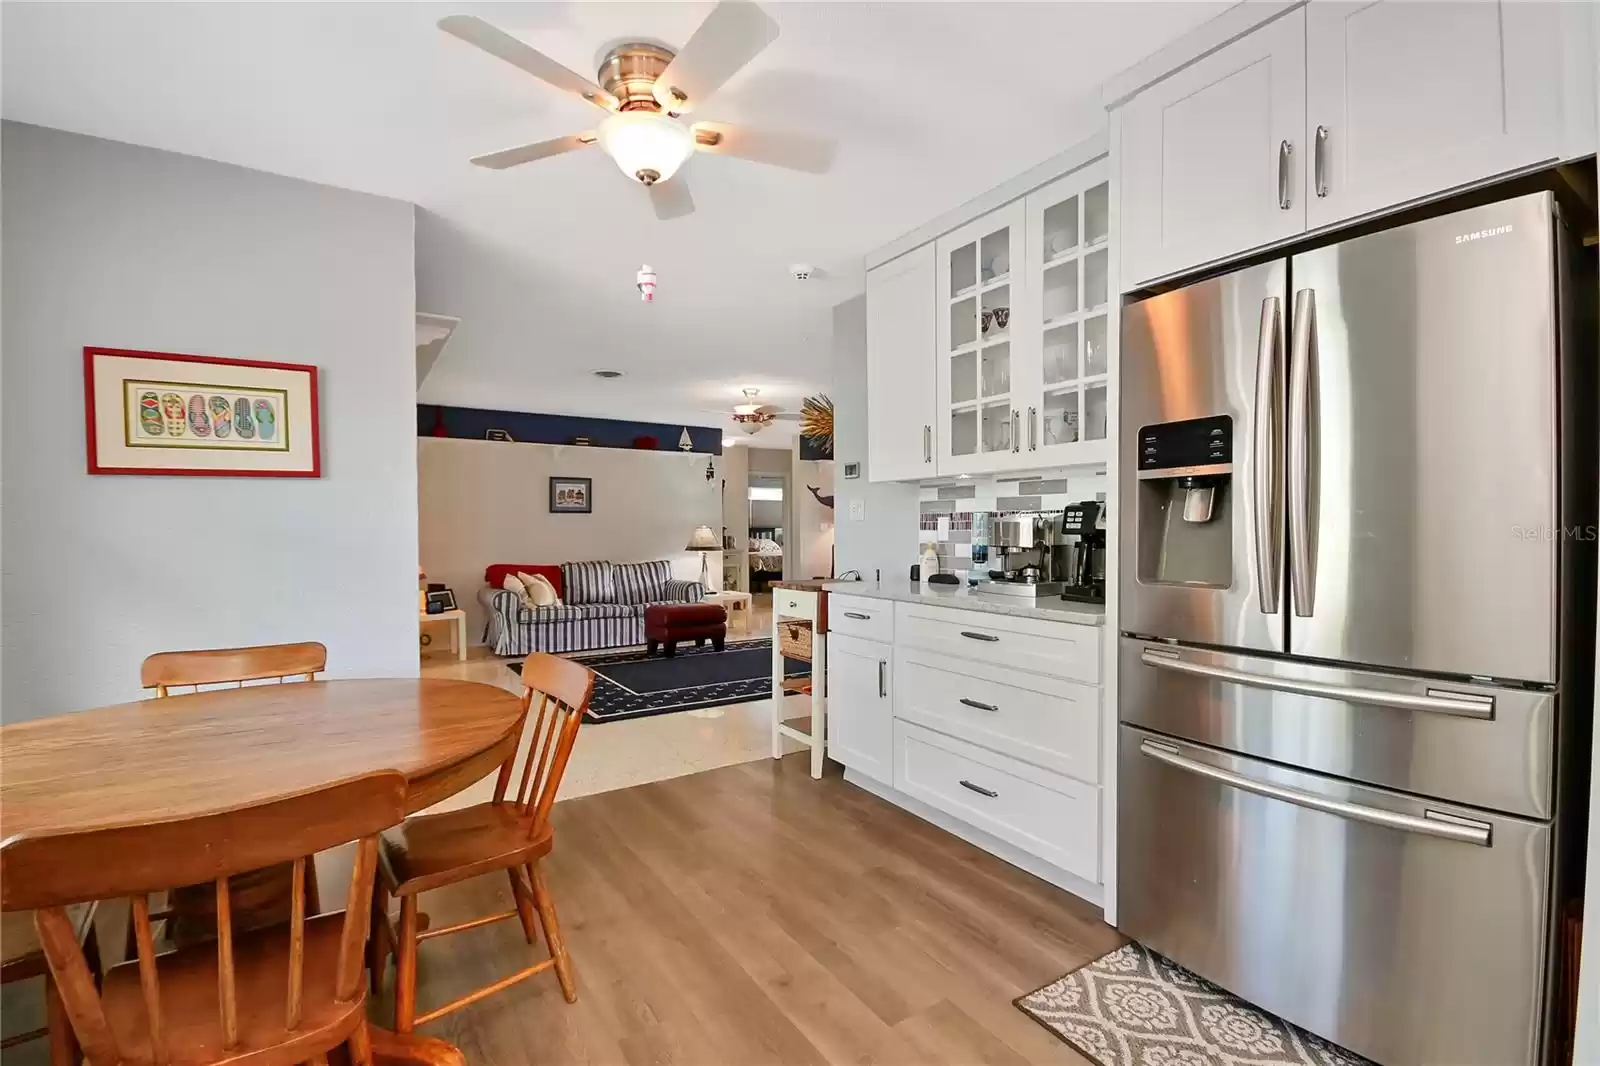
858	616
979	789
978	706
979	636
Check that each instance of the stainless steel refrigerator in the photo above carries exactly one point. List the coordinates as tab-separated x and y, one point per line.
1357	613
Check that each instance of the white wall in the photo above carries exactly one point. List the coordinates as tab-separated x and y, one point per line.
118	246
484	502
734	467
885	537
811	540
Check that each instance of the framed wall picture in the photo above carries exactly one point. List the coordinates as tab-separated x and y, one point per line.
571	495
199	415
440	601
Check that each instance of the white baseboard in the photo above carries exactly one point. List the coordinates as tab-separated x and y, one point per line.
1000	849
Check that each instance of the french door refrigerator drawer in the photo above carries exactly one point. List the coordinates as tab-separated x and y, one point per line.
1408	930
1483	745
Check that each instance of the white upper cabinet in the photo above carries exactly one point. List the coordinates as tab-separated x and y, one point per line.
901	424
1405	99
1212	157
1071	337
980	284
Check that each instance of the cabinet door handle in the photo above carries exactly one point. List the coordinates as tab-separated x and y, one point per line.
1285	150
974	704
883	679
1016	430
979	789
927	444
858	616
1319	160
970	635
1033	429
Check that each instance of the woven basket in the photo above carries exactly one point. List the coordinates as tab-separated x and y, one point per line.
794	640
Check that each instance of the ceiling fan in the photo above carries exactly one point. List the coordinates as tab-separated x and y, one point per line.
644	89
753	416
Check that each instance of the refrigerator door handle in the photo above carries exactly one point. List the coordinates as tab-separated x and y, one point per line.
1302	439
1436	701
1266	458
1432	823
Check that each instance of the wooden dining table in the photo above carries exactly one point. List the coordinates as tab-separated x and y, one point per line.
192	755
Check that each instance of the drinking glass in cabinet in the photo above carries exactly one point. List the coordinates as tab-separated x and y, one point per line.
964	377
964	432
963	269
1060	228
1094	413
1061	354
997	427
1061	417
996	370
1096	269
963	322
1096	214
1061	290
996	254
996	316
1094	346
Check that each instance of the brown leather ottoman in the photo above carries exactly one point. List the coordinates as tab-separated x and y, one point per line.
667	623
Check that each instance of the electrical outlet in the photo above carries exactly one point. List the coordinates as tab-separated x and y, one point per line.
858	510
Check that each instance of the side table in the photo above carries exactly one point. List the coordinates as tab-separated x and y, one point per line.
732	600
458	631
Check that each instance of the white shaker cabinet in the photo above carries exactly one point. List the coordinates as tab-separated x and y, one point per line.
1407	99
1211	156
901	425
861	705
980	287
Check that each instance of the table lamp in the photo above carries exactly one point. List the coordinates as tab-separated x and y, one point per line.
703	540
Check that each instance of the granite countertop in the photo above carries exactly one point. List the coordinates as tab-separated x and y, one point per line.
1053	609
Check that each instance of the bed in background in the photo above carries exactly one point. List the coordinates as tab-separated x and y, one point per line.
766	558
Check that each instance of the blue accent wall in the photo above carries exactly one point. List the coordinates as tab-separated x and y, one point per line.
527	428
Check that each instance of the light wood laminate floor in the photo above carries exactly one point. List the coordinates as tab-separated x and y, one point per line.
751	915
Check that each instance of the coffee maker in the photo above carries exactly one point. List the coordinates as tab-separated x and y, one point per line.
1021	547
1082	561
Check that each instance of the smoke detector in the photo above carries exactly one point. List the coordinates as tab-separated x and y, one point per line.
801	271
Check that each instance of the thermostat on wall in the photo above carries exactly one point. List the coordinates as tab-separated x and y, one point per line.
852	470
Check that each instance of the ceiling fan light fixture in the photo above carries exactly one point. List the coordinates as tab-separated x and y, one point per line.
646	145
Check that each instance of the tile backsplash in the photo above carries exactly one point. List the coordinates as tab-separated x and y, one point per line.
955	517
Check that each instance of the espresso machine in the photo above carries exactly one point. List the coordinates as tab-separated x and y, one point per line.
1022	550
1080	557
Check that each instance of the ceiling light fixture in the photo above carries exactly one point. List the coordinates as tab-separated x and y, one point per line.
752	415
647	146
728	442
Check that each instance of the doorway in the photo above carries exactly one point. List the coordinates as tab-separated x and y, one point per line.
768	498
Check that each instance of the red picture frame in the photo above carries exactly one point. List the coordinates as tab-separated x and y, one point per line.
307	460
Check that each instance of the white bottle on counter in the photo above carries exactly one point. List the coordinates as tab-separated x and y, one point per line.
929	564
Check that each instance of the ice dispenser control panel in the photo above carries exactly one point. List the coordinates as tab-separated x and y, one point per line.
1203	442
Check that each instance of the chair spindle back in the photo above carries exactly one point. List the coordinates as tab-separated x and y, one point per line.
564	689
219	666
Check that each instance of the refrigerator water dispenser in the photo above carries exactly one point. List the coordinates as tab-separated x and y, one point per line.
1185	517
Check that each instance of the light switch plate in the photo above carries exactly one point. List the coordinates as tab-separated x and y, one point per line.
858	510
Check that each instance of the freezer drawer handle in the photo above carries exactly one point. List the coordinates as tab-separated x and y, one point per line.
1432	823
858	616
979	789
1466	705
975	705
970	635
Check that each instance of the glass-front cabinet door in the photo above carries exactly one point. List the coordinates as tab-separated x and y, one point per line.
1071	322
979	282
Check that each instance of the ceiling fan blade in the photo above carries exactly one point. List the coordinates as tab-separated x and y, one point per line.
796	151
671	199
502	45
732	35
527	153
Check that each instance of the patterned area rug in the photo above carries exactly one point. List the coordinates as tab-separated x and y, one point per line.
633	684
1135	1008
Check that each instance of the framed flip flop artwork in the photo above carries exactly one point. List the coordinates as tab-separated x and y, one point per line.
199	415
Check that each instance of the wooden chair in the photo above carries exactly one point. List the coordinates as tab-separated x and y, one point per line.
261	896
273	997
434	850
21	959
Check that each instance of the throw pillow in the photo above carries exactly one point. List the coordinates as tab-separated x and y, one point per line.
589	582
513	583
540	592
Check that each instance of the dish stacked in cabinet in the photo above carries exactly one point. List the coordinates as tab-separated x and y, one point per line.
991	719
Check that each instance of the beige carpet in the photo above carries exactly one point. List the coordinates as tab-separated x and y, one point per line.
1135	1008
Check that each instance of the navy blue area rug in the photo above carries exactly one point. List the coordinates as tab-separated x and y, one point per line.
632	684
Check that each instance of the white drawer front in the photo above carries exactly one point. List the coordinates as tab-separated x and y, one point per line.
1043	720
858	617
1044	814
794	603
1059	649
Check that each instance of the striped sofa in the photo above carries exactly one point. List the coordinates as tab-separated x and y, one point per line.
602	605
